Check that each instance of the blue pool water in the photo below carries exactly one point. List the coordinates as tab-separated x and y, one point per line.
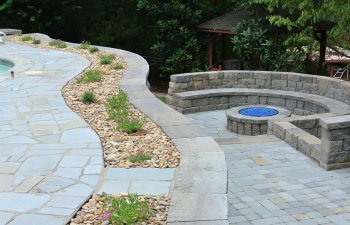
258	111
5	65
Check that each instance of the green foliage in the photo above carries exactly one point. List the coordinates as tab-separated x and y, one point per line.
93	49
139	158
259	51
84	45
106	59
118	66
127	211
90	76
26	38
175	47
88	97
162	98
58	44
36	41
118	109
305	14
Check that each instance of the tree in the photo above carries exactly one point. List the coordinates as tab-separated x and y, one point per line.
311	18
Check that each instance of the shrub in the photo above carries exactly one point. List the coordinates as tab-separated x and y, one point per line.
84	45
128	210
106	59
26	38
36	41
90	76
162	98
117	109
58	44
117	66
93	49
88	97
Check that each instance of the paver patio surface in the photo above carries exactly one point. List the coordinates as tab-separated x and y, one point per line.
47	152
269	182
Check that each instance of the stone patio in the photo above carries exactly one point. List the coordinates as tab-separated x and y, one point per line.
271	183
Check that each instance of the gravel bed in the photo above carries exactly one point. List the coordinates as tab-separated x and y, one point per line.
92	212
117	146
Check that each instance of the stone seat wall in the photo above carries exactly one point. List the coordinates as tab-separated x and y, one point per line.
321	106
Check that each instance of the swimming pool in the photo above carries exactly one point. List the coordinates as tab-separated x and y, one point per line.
5	65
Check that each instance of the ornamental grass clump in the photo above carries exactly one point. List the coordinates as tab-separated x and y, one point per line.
58	44
93	49
88	97
106	59
118	109
90	76
126	211
36	41
26	38
84	45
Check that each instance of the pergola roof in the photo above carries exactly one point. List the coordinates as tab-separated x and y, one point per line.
224	23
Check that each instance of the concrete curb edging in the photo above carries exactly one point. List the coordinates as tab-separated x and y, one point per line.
199	189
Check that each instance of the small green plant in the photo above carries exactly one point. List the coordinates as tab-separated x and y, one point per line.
126	211
36	41
88	97
93	49
26	38
139	156
106	59
162	98
58	44
117	66
90	76
118	110
84	45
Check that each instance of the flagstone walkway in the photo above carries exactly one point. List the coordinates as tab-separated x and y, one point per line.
50	159
271	183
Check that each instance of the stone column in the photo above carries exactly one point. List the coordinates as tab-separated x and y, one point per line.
335	142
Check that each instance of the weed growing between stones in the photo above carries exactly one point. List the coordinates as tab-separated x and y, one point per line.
84	45
93	49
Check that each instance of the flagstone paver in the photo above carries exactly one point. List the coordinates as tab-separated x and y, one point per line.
269	182
46	150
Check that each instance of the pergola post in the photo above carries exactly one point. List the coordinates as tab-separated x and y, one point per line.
210	49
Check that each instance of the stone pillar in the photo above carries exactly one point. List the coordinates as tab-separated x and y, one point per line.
335	142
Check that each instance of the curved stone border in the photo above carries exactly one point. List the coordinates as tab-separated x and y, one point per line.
198	194
251	125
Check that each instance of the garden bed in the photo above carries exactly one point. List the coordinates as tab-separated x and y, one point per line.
118	147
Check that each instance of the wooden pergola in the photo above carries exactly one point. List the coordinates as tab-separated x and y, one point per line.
223	26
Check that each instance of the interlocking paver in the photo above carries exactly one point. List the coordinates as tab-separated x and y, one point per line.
287	188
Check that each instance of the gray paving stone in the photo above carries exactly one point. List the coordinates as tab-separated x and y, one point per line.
39	165
184	207
20	202
79	135
58	211
139	174
114	186
5	217
35	219
213	222
150	187
74	161
93	169
68	202
77	190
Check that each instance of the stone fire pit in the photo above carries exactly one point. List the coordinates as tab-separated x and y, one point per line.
252	119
